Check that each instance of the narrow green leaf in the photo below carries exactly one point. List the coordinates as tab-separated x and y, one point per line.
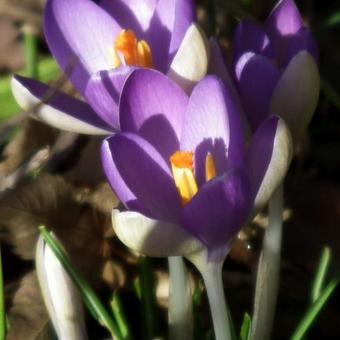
245	332
313	311
197	294
321	273
90	299
120	317
333	20
31	52
2	304
137	288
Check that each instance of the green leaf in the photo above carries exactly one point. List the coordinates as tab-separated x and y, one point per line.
90	299
319	280
31	53
3	321
333	20
245	332
313	311
120	317
148	298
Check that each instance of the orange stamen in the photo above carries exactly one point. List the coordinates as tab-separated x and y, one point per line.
125	44
129	51
183	159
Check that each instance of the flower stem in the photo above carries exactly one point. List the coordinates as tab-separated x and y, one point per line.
268	274
212	276
148	298
180	301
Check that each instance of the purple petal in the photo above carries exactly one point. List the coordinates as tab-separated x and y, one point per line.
131	14
185	15
289	46
144	172
153	107
268	159
169	24
216	63
288	34
285	19
103	92
56	108
126	196
250	37
257	77
218	68
219	209
213	123
80	35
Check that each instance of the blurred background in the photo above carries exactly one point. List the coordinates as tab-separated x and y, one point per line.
45	178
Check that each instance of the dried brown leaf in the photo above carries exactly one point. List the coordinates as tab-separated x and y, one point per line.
27	316
32	136
50	201
88	168
11	51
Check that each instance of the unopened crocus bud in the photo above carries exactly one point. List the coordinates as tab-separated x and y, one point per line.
275	69
61	297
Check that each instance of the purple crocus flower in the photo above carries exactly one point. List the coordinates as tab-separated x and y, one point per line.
275	68
98	46
182	167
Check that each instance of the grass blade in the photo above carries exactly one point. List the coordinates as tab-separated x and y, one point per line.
245	332
321	273
119	315
313	311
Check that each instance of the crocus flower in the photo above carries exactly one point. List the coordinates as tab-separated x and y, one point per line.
98	46
181	165
275	68
61	297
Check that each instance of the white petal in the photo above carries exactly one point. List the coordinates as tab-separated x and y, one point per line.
296	95
60	295
51	115
278	165
151	237
190	63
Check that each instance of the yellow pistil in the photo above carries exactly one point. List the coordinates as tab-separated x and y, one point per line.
210	168
129	51
182	171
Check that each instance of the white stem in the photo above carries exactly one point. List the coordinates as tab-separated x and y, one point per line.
180	301
212	276
268	274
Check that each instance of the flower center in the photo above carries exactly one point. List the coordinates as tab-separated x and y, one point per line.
130	51
182	166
